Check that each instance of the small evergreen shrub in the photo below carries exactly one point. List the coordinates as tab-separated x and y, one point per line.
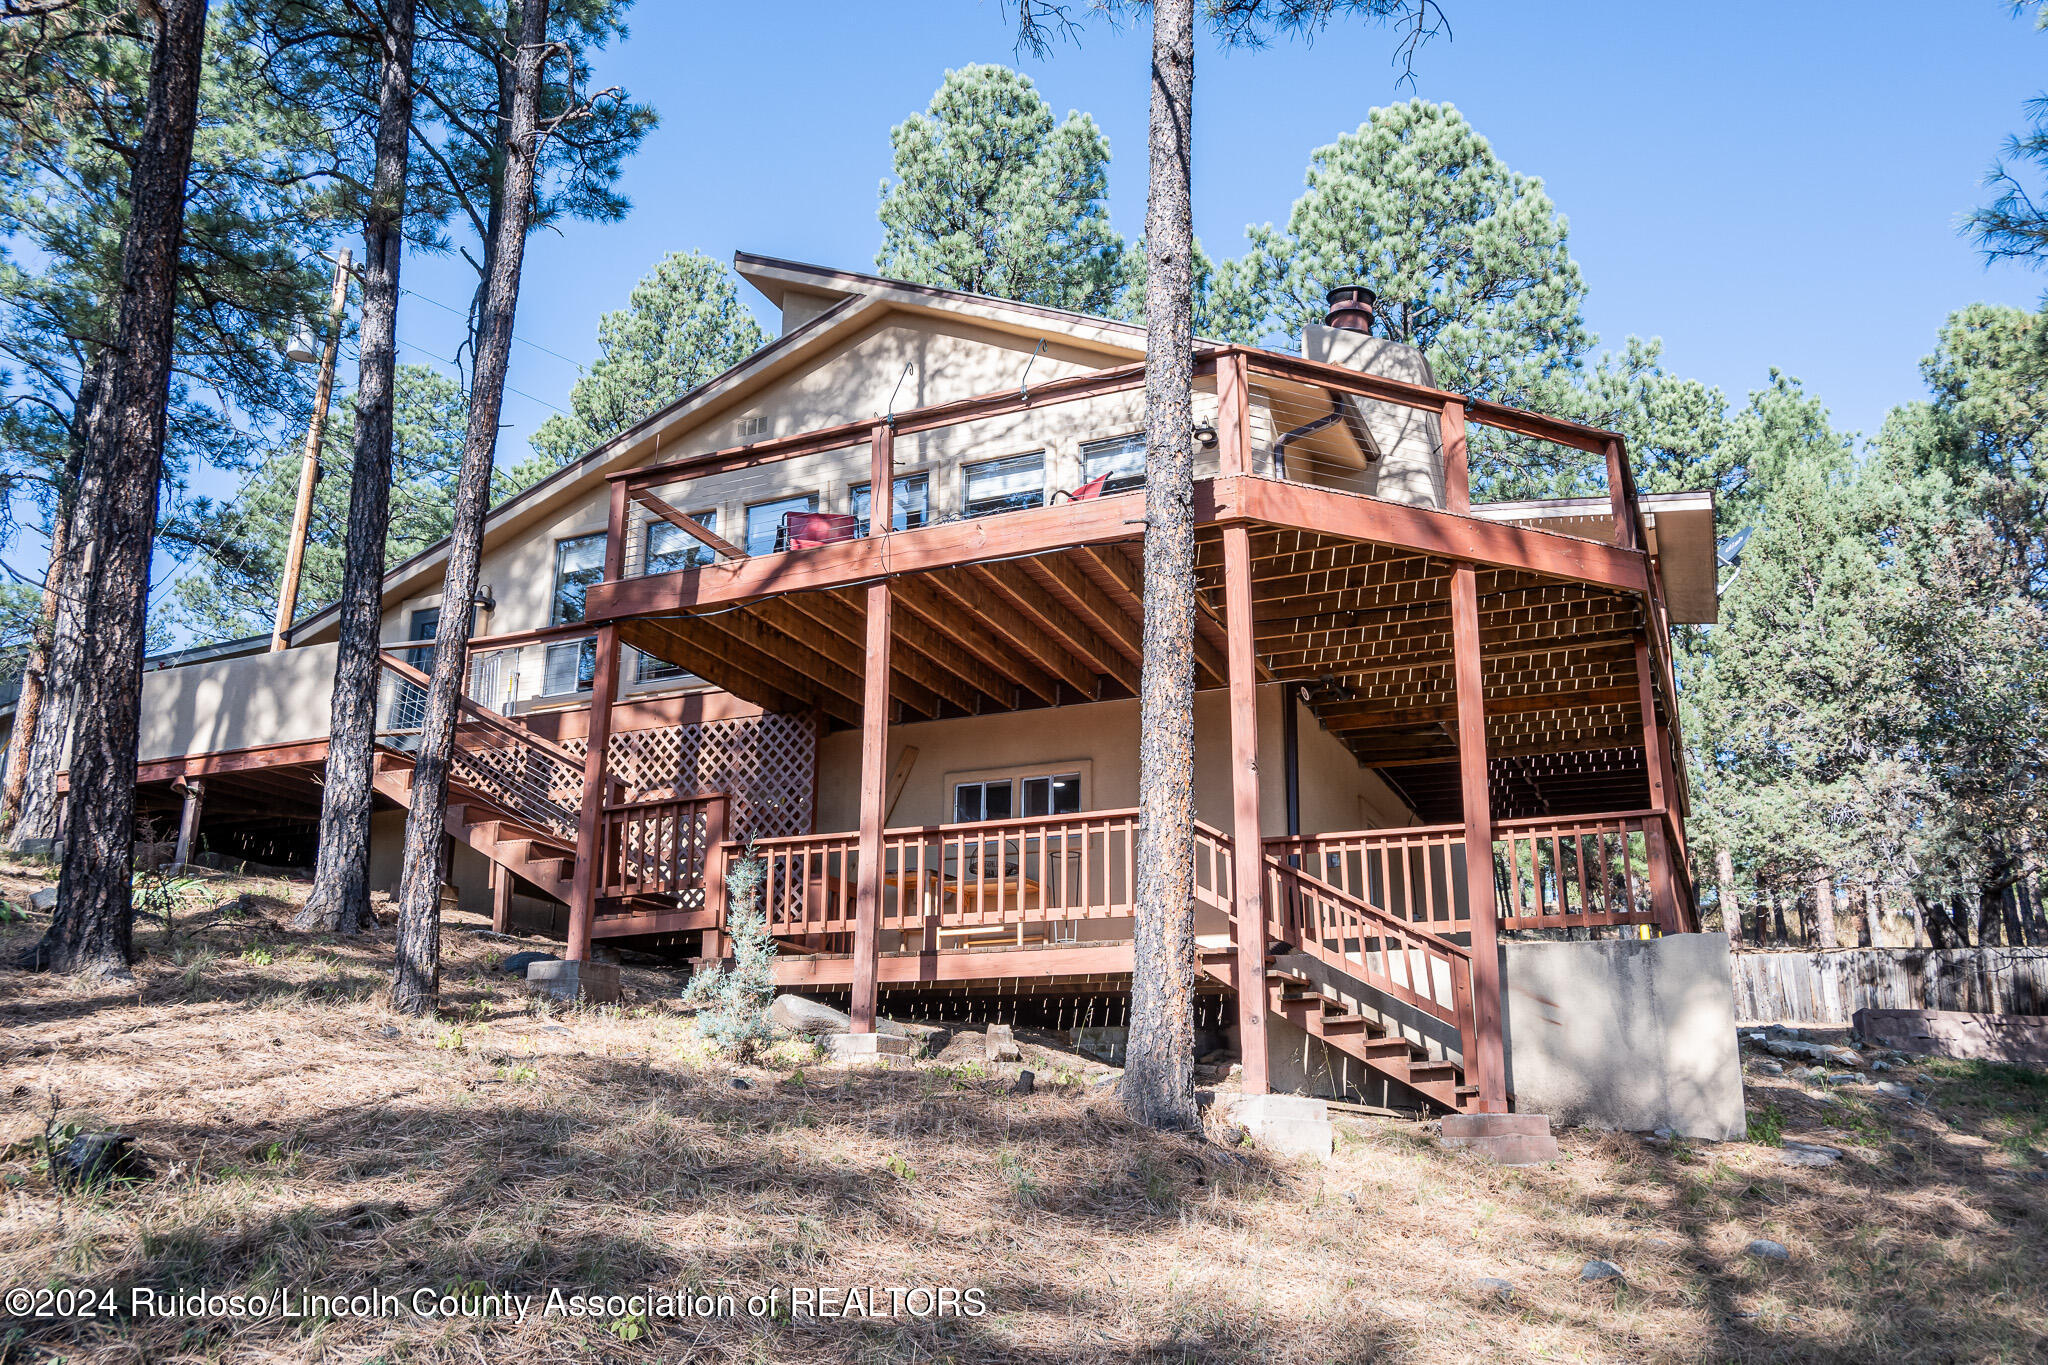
732	1002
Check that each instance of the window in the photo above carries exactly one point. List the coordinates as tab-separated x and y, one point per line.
579	562
671	548
912	506
1122	458
981	801
426	622
1054	794
753	428
995	798
650	669
1006	485
571	666
764	522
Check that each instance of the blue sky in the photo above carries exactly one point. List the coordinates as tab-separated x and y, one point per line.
1757	184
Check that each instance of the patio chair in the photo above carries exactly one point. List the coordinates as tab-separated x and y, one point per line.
1091	489
805	530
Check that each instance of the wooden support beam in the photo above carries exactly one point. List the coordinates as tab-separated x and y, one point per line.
1487	1066
1081	596
1008	641
850	625
590	815
501	899
1663	890
775	628
1130	580
188	820
1064	630
874	759
688	525
1370	715
935	622
1248	925
719	657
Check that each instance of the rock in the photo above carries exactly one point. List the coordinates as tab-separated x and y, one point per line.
1492	1288
1880	1065
1756	1037
517	964
1842	1056
1792	1048
1770	1067
1809	1154
1665	1134
1026	1082
1843	1078
1893	1090
1104	1079
1002	1044
93	1159
1595	1271
813	1018
387	1031
1765	1250
45	899
741	1083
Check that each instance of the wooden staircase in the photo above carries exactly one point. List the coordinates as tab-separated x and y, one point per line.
541	857
1297	999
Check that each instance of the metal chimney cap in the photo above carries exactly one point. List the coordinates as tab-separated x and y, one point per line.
1351	308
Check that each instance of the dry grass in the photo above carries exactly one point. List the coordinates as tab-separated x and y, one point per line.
303	1137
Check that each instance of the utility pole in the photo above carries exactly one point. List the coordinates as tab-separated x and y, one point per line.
309	467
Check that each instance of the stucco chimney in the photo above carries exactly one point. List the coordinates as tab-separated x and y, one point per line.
1350	308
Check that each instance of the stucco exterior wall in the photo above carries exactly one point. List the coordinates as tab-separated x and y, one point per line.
239	703
1635	1034
1101	740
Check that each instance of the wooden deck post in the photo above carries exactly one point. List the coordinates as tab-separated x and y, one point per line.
590	819
1233	415
874	742
188	820
1248	863
1656	846
501	899
1457	459
1486	1068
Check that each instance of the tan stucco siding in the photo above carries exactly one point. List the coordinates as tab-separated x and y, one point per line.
239	703
1101	738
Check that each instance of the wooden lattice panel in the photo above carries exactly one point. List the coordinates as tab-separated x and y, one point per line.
766	763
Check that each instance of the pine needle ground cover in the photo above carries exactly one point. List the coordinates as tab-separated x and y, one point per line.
300	1137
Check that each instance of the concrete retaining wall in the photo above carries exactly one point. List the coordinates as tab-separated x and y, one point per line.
1636	1034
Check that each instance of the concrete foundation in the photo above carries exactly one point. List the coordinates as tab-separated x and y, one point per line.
865	1049
1635	1034
596	982
1290	1125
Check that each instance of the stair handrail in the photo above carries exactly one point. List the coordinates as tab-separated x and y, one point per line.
1367	910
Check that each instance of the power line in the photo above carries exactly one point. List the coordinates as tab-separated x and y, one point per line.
458	369
448	308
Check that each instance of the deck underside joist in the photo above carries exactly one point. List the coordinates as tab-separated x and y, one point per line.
1361	627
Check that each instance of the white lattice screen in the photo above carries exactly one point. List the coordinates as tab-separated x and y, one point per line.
765	761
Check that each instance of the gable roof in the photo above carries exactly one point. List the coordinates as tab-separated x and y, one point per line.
859	300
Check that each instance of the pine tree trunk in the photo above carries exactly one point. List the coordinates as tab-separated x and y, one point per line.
416	977
1158	1084
1731	906
1824	910
340	899
1873	915
94	922
1778	918
43	692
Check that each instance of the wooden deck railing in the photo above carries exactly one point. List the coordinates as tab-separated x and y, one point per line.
1400	961
1035	870
667	848
1549	873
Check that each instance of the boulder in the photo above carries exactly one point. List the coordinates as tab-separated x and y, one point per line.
1794	1049
1809	1154
1493	1288
1595	1271
517	964
92	1159
815	1018
45	899
1765	1250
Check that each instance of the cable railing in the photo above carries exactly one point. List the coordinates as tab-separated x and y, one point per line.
531	779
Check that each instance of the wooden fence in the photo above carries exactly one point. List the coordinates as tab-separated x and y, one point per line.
1829	987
